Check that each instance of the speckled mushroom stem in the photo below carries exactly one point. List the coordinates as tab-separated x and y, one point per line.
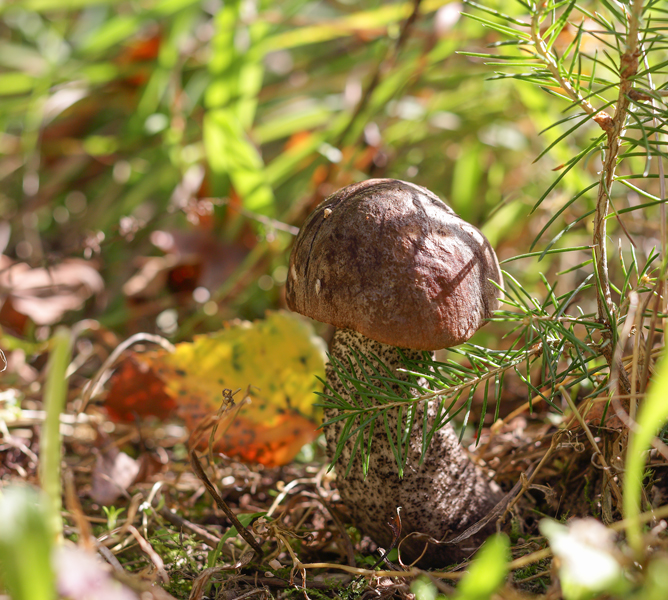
441	497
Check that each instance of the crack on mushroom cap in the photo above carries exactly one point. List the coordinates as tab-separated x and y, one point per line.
395	263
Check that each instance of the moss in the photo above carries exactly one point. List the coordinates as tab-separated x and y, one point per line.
515	529
178	586
528	578
594	506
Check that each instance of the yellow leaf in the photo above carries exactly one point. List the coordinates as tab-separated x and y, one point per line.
280	359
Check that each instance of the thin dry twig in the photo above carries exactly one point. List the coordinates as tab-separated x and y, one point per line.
16	443
111	559
284	583
606	468
268	222
199	532
150	552
523	561
617	363
86	538
347	542
200	584
92	388
243	531
525	482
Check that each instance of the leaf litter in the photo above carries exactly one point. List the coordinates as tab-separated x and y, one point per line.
168	530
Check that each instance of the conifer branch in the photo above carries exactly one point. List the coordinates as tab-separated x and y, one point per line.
540	49
614	132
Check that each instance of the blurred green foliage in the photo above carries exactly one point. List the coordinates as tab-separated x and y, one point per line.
123	118
26	545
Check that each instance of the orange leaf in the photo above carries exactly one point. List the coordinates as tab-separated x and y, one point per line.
136	391
276	360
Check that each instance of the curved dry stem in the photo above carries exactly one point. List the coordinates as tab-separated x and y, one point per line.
93	386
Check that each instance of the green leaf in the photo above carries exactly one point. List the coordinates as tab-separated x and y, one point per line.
521	35
543	253
230	152
15	83
60	5
498	14
347	26
424	589
488	570
26	545
571	163
557	27
245	519
652	415
466	180
55	396
115	31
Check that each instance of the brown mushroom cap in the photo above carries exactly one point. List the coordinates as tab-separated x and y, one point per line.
391	260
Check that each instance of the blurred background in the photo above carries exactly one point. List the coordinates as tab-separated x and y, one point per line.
158	156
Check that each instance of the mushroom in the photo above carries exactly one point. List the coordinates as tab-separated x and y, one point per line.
397	271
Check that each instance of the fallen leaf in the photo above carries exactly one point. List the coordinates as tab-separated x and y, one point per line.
45	294
276	361
83	576
11	319
602	415
113	474
191	260
136	391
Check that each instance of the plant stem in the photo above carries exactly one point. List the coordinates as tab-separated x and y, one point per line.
55	396
627	69
615	130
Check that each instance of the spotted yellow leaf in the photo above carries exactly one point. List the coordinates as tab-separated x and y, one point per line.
276	362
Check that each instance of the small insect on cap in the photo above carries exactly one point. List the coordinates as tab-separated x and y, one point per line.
390	260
